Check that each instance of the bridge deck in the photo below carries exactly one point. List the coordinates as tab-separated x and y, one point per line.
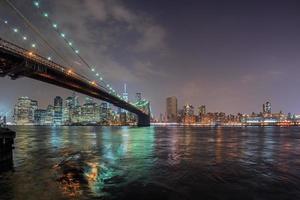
16	62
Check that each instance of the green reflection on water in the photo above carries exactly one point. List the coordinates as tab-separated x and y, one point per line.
125	152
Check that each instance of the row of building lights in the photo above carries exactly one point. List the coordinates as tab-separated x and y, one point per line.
71	45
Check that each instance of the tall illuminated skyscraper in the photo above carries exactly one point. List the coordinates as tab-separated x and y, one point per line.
24	111
267	108
202	110
67	110
125	98
171	109
125	93
58	111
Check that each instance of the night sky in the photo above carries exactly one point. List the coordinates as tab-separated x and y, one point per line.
231	56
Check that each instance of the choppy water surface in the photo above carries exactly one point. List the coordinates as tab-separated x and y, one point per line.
154	163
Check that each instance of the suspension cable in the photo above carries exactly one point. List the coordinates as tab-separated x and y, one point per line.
31	26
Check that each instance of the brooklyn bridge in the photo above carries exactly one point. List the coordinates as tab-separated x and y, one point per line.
18	61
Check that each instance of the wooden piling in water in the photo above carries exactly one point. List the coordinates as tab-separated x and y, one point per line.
7	137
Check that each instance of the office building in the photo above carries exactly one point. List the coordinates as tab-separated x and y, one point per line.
171	109
58	111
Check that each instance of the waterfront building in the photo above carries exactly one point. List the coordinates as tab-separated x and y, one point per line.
267	108
76	115
171	109
88	112
34	107
58	111
188	114
202	110
123	118
75	100
104	115
49	115
68	110
188	110
40	116
24	111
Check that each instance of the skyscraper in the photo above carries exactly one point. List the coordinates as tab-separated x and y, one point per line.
188	110
58	111
171	109
267	108
49	115
33	107
188	114
125	98
75	100
23	111
88	111
68	110
125	93
40	116
202	110
104	113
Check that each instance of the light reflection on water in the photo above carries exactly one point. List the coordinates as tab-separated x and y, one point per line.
160	162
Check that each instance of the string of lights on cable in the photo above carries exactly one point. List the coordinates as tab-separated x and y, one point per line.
24	37
70	43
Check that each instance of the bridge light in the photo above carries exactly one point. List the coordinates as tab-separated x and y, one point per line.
30	53
70	71
101	78
24	38
77	51
45	14
16	30
49	58
36	4
93	69
97	74
93	82
54	25
63	35
33	45
70	43
5	22
107	85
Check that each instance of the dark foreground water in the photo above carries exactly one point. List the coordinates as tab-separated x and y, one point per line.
154	163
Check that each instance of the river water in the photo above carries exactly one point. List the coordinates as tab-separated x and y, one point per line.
154	163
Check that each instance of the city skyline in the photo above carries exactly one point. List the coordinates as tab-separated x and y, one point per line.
230	72
73	111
